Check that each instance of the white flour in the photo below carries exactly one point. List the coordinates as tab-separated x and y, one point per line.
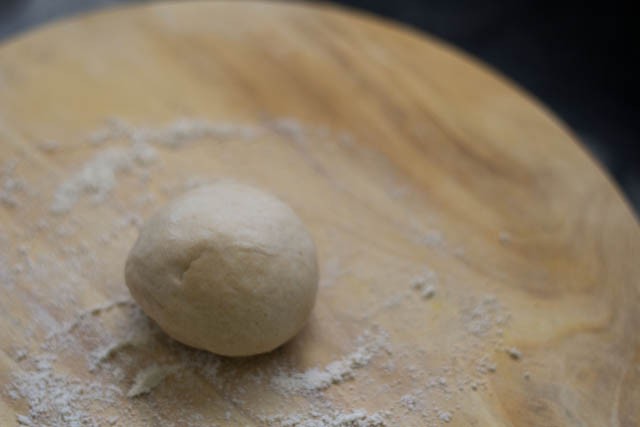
409	401
445	416
482	316
336	372
97	178
357	418
514	353
121	361
11	187
426	284
58	398
149	378
176	134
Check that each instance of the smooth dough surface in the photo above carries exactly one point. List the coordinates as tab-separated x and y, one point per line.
226	268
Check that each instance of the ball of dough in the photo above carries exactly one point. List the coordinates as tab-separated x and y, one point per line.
225	268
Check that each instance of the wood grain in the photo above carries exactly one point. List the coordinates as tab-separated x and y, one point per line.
401	154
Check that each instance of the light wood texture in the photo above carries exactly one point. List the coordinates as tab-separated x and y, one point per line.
400	154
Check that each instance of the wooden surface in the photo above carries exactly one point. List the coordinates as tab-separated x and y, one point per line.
403	156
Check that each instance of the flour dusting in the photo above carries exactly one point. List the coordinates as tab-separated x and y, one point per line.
445	416
149	378
483	315
98	366
176	134
426	284
339	371
514	353
357	418
11	187
97	178
60	399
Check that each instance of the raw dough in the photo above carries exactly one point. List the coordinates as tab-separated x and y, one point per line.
226	268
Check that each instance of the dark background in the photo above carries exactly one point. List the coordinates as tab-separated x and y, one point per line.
578	57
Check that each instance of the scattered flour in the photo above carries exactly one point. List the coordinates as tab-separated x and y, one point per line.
445	416
409	401
357	418
127	356
149	378
174	135
114	128
93	311
10	185
20	354
58	398
336	372
290	128
23	420
514	353
96	178
426	284
482	316
485	365
103	354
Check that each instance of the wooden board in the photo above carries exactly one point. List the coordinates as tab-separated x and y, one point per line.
407	160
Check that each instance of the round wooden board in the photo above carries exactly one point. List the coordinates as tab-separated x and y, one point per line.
407	160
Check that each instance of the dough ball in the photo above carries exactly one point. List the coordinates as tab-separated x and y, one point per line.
226	268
